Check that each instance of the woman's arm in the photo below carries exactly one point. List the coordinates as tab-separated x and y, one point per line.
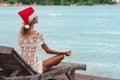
51	51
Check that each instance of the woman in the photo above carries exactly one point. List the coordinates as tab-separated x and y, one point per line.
30	42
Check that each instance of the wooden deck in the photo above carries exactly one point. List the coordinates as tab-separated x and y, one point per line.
14	68
84	77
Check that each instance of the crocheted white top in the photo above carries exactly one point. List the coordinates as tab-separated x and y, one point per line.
28	48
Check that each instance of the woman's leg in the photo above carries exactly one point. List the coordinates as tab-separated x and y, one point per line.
52	61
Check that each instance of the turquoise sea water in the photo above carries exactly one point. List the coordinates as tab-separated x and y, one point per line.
91	32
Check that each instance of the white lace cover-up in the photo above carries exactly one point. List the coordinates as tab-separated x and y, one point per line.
28	48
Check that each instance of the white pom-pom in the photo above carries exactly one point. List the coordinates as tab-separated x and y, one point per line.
27	26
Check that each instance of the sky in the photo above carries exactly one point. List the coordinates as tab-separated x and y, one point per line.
117	0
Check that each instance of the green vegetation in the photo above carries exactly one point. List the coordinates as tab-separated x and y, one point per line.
62	2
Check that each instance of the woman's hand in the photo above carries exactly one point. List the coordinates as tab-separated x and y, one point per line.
68	53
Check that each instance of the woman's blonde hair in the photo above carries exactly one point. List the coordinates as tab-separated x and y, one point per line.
26	32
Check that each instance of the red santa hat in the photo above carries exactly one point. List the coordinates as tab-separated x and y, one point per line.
27	15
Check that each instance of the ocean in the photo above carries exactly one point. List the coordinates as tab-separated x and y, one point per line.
91	32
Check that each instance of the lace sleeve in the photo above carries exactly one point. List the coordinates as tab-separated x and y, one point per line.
41	39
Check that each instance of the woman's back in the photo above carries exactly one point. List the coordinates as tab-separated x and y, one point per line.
29	46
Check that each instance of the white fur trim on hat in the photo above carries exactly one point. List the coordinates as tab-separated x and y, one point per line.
27	26
32	16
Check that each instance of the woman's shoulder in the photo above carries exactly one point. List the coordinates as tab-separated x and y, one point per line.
38	33
20	35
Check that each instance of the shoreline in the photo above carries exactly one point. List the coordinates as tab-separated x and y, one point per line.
20	4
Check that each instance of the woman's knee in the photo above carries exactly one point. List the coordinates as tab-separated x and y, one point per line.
45	69
61	56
